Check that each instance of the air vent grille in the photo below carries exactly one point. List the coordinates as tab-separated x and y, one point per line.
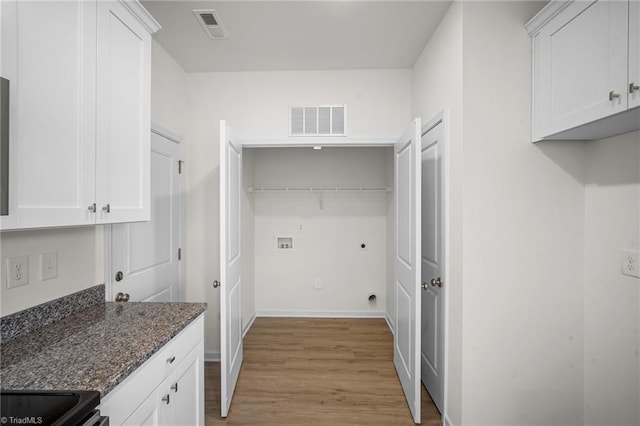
210	23
317	120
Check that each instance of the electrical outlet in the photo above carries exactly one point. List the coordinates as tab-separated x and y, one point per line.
48	265
631	263
17	271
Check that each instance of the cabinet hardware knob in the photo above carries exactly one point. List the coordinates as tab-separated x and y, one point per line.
119	276
107	208
436	282
92	208
174	387
613	95
122	297
166	399
170	360
425	286
216	284
633	87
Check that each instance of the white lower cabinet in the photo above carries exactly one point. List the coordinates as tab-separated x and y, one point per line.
178	400
168	389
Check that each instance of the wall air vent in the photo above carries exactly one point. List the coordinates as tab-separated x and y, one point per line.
210	22
318	120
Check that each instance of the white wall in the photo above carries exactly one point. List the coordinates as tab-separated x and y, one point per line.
255	104
523	222
169	103
437	86
76	248
327	230
612	222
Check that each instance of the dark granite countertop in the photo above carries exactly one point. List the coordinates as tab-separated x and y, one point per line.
94	349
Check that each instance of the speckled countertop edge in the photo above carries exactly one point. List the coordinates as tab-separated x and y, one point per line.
95	349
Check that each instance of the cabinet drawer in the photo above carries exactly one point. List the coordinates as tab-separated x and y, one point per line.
131	393
176	351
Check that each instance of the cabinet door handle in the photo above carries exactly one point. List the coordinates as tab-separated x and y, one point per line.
613	95
174	387
92	208
633	87
166	399
170	360
107	208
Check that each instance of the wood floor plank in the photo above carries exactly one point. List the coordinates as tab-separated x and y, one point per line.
312	371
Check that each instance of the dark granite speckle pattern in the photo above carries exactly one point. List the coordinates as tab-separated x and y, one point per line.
31	319
95	349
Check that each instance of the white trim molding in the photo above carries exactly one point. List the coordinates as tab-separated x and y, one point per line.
301	142
142	15
167	134
548	12
247	327
320	314
390	323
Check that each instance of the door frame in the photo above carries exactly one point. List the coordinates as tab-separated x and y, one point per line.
442	117
103	239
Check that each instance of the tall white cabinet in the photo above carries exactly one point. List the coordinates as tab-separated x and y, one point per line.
79	75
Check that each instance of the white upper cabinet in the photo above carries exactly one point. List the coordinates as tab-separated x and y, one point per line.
634	54
48	56
583	66
123	116
79	74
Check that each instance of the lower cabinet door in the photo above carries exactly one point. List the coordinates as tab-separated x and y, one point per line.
147	414
186	390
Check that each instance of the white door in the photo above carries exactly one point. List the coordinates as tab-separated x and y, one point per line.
145	255
230	265
432	264
406	339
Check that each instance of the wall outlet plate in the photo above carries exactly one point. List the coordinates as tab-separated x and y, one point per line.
631	263
17	271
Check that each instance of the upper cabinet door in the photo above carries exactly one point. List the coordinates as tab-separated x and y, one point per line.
123	116
634	54
48	55
580	65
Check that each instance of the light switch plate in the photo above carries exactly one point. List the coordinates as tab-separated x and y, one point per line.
48	265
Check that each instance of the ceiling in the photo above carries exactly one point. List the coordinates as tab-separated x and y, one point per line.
298	34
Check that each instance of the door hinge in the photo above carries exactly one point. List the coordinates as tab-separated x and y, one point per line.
180	163
179	254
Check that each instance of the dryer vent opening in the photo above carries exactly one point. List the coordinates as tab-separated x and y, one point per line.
373	300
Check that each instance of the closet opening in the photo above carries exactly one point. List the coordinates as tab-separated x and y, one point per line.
316	231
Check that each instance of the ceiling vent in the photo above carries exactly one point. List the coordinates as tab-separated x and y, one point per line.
317	120
210	23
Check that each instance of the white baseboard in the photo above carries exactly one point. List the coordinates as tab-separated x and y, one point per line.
246	328
390	323
212	356
320	314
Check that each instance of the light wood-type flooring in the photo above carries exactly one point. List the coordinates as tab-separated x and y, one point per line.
310	371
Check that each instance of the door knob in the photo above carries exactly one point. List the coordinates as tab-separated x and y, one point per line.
216	284
122	297
425	286
436	282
